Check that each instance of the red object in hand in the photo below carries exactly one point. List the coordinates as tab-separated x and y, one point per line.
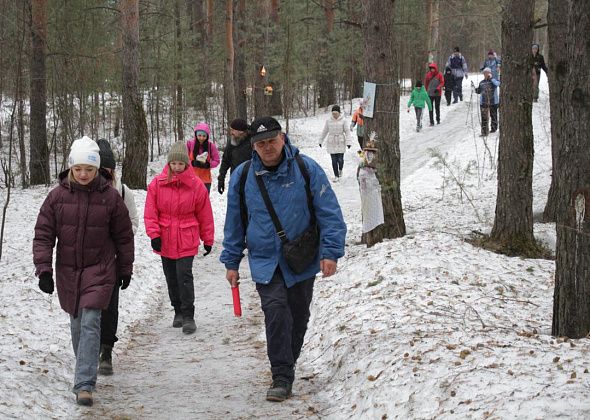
235	291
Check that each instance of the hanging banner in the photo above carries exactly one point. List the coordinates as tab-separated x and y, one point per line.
368	99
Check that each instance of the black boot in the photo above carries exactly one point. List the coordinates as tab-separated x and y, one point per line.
189	326
105	366
177	323
279	391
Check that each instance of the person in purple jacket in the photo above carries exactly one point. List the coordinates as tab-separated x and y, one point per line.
91	224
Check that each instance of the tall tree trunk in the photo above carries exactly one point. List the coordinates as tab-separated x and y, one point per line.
379	56
135	134
433	21
240	61
327	92
39	152
558	65
513	224
260	80
571	300
210	14
178	107
228	85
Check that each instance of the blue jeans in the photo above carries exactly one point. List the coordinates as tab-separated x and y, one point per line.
337	163
85	331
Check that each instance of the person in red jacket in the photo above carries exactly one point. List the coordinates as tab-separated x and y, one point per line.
434	82
203	153
95	253
177	218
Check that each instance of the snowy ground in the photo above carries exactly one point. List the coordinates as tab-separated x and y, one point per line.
425	326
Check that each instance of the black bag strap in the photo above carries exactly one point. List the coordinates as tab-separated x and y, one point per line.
270	208
243	207
123	191
305	174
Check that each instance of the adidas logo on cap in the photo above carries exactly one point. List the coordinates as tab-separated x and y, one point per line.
261	129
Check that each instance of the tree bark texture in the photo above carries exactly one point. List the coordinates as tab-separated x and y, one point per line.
571	301
379	66
240	61
513	224
230	93
135	133
39	152
558	66
179	102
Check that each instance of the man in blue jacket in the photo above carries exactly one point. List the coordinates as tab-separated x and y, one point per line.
285	296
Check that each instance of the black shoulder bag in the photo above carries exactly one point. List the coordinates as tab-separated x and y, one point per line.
301	251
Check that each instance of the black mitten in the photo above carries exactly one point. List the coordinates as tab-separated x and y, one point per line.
46	282
157	244
124	282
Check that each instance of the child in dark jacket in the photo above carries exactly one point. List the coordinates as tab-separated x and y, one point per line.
449	85
95	251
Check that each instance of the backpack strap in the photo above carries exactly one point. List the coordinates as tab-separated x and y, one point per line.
243	207
123	191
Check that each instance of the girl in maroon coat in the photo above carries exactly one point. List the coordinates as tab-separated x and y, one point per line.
94	252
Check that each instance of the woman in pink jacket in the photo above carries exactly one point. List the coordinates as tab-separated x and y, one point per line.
203	153
177	218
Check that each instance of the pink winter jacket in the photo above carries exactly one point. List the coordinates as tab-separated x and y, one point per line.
179	212
209	146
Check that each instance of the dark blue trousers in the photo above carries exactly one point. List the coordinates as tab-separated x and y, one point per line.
286	313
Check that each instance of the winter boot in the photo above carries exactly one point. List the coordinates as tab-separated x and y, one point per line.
105	367
279	391
84	398
177	323
189	326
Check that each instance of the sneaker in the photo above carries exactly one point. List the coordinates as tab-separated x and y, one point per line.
84	398
177	323
279	391
105	366
455	101
189	326
335	179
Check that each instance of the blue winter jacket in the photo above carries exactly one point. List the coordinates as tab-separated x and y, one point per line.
286	188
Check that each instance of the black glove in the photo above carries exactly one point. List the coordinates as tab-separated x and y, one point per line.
348	146
207	249
157	244
124	282
220	187
46	282
195	163
320	144
477	90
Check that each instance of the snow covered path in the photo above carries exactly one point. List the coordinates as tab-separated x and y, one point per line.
219	372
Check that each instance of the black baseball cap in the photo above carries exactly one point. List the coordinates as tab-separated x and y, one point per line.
264	128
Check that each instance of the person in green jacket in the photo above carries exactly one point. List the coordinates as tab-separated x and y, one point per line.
419	98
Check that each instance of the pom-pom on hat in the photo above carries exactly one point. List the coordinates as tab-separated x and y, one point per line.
84	151
264	128
178	153
107	159
239	124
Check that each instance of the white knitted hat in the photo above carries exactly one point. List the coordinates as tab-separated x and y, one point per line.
84	151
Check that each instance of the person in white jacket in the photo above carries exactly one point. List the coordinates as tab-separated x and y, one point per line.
110	317
338	138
